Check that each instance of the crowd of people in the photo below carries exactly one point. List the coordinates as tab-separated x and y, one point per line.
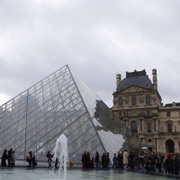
155	162
91	162
8	159
98	161
144	161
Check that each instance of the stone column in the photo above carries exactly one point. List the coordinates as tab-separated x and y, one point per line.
139	126
176	145
154	143
143	126
157	145
154	125
163	145
157	125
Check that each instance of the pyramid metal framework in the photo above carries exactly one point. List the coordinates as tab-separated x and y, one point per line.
34	119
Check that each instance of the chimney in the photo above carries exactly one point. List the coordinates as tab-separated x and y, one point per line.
118	79
154	73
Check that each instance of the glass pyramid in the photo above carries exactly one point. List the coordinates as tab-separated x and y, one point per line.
56	105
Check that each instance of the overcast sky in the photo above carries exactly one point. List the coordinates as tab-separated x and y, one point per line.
96	38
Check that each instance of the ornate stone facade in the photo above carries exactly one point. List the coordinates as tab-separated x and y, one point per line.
138	104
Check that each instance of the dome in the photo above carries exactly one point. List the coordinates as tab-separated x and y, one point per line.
135	78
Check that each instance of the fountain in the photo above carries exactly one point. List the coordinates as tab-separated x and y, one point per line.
61	153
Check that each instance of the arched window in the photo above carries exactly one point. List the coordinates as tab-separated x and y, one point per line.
133	126
169	127
120	101
148	100
134	101
170	146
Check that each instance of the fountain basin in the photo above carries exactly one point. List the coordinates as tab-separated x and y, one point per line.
48	174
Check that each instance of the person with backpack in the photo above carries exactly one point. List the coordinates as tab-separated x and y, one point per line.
29	158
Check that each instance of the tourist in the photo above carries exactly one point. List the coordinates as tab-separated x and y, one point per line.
119	160
169	165
49	156
125	159
84	160
107	160
34	162
148	164
56	163
176	165
4	158
29	158
97	160
159	162
92	162
114	161
10	157
103	160
87	160
136	161
131	160
12	162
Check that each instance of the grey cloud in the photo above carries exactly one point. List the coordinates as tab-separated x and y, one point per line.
98	39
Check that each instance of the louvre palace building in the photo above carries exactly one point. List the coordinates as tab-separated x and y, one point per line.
138	104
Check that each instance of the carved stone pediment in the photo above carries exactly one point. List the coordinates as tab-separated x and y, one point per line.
134	88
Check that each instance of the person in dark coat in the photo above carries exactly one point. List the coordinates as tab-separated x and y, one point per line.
84	160
10	157
169	165
56	163
119	160
131	160
49	156
34	162
103	160
107	160
97	159
176	165
4	158
92	162
114	161
159	163
88	160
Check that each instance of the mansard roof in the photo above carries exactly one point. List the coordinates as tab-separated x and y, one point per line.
135	78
